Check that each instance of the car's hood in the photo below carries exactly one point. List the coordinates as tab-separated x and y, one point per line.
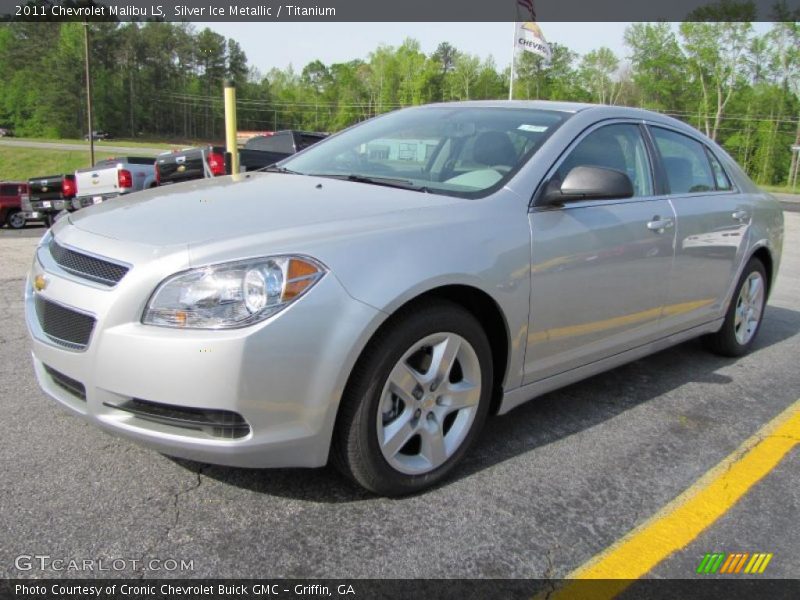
237	206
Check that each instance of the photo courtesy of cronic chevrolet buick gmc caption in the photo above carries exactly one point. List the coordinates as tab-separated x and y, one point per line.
377	305
193	590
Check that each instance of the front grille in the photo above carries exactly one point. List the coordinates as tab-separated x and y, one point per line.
218	423
64	326
76	388
88	267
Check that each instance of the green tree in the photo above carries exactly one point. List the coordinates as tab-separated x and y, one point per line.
597	70
658	64
464	76
537	78
716	51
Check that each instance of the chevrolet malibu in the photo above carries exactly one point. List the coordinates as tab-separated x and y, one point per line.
371	300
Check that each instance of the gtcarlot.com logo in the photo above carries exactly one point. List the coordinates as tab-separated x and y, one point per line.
45	562
734	563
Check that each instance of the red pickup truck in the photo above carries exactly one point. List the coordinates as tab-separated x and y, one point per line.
11	193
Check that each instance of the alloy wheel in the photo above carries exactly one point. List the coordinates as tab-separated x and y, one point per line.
749	307
428	403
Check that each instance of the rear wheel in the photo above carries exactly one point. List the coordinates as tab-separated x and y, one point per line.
745	313
415	402
15	219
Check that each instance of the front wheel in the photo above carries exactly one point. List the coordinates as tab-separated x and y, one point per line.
416	400
745	313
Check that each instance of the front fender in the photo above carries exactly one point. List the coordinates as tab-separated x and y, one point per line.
480	244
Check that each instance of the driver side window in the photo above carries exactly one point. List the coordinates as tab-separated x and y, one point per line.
619	147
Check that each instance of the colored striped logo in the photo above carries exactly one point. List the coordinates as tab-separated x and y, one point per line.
741	562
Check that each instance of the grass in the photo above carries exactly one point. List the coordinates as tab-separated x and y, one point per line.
163	145
780	189
20	164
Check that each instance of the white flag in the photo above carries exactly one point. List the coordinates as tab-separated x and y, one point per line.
529	37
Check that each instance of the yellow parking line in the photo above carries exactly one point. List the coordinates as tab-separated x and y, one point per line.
687	516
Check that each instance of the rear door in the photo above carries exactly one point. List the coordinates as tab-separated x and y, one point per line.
600	268
713	219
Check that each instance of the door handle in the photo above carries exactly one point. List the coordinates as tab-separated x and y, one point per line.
659	225
741	215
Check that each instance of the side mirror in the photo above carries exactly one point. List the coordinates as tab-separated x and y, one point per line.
589	183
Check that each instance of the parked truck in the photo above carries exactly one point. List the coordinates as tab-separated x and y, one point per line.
48	196
210	161
11	193
113	177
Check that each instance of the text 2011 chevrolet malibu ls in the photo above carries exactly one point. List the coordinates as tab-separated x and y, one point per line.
372	299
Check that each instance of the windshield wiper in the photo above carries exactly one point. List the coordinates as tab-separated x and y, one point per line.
277	169
394	182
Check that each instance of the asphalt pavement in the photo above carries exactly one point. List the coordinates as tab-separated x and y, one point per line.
790	202
547	487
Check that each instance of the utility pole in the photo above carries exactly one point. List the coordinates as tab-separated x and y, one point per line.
88	91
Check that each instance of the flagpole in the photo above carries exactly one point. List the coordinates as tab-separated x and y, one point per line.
513	56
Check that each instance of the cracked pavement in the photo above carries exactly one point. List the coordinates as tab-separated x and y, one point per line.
548	485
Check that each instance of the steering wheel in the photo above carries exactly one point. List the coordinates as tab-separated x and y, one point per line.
350	160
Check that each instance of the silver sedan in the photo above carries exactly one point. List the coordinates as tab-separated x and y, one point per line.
371	300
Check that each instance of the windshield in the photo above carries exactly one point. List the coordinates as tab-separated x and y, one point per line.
460	151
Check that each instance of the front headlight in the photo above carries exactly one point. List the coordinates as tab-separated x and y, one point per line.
230	295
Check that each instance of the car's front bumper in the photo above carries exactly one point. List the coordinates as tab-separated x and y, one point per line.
284	376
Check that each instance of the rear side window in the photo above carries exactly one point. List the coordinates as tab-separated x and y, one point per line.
685	162
720	178
8	190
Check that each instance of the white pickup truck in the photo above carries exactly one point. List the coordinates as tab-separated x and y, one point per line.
112	177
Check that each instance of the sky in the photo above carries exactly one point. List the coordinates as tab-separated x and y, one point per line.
269	45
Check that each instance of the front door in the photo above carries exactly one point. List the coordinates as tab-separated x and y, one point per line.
600	268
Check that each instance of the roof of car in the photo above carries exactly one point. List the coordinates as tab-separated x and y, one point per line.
571	107
607	111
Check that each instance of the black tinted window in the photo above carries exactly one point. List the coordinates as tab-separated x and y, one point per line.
685	162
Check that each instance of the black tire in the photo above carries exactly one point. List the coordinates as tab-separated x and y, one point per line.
14	221
724	342
49	219
355	448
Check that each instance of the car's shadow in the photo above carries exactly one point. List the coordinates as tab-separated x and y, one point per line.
543	421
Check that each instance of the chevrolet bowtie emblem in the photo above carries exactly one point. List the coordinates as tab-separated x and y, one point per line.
39	283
